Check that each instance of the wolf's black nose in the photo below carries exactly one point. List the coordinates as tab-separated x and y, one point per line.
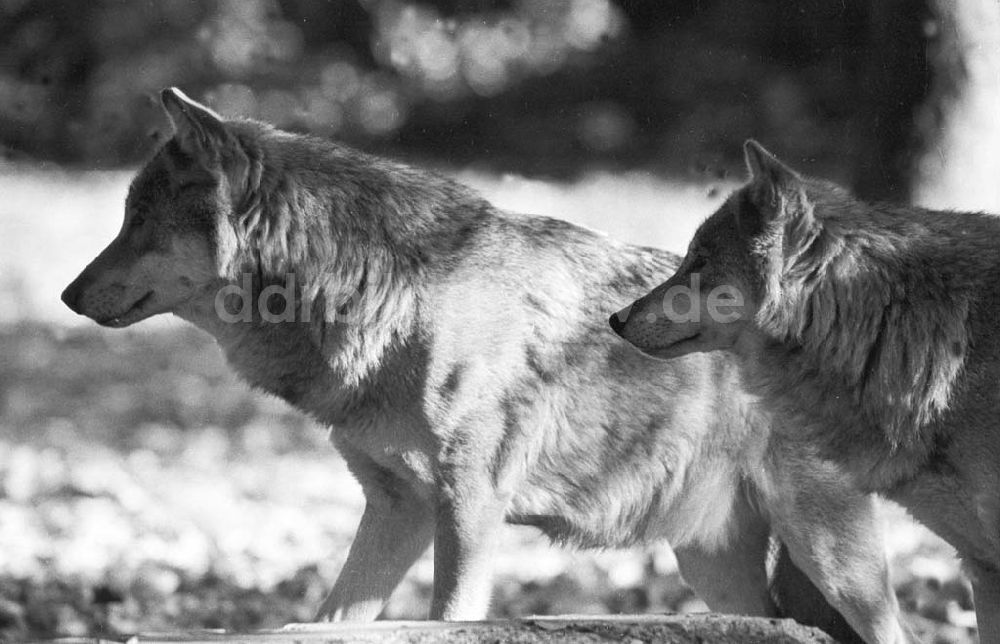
71	297
617	324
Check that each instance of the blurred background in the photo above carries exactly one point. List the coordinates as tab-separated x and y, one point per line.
143	488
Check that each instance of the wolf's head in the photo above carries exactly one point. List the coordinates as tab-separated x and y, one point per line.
734	269
177	240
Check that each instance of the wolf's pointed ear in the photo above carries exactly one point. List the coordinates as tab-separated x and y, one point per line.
768	172
197	129
208	145
779	194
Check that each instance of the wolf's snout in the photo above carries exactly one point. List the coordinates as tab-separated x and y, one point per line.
617	320
616	323
71	296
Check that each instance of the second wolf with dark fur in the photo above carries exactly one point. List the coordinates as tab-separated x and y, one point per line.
873	330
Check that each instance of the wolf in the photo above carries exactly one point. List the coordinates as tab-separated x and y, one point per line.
871	328
459	356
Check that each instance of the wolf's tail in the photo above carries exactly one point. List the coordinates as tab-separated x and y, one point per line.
799	599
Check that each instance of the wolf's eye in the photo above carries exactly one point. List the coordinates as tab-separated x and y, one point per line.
697	263
137	220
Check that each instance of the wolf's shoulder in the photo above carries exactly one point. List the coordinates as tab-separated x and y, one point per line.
546	235
523	247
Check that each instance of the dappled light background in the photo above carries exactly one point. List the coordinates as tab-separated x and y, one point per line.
143	488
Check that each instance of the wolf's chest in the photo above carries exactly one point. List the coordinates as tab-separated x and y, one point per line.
287	372
289	366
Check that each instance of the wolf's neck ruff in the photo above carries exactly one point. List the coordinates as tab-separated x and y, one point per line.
355	234
864	311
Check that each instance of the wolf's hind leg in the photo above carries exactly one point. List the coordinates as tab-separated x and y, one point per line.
732	577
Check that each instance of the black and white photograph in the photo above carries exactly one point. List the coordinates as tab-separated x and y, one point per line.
535	321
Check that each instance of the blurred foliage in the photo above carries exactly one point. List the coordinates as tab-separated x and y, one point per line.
78	77
537	85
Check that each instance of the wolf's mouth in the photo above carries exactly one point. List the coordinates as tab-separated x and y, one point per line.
129	315
677	348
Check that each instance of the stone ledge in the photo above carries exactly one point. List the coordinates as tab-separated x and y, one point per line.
630	629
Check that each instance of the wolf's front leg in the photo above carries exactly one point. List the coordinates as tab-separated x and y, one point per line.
393	533
834	535
986	594
469	519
